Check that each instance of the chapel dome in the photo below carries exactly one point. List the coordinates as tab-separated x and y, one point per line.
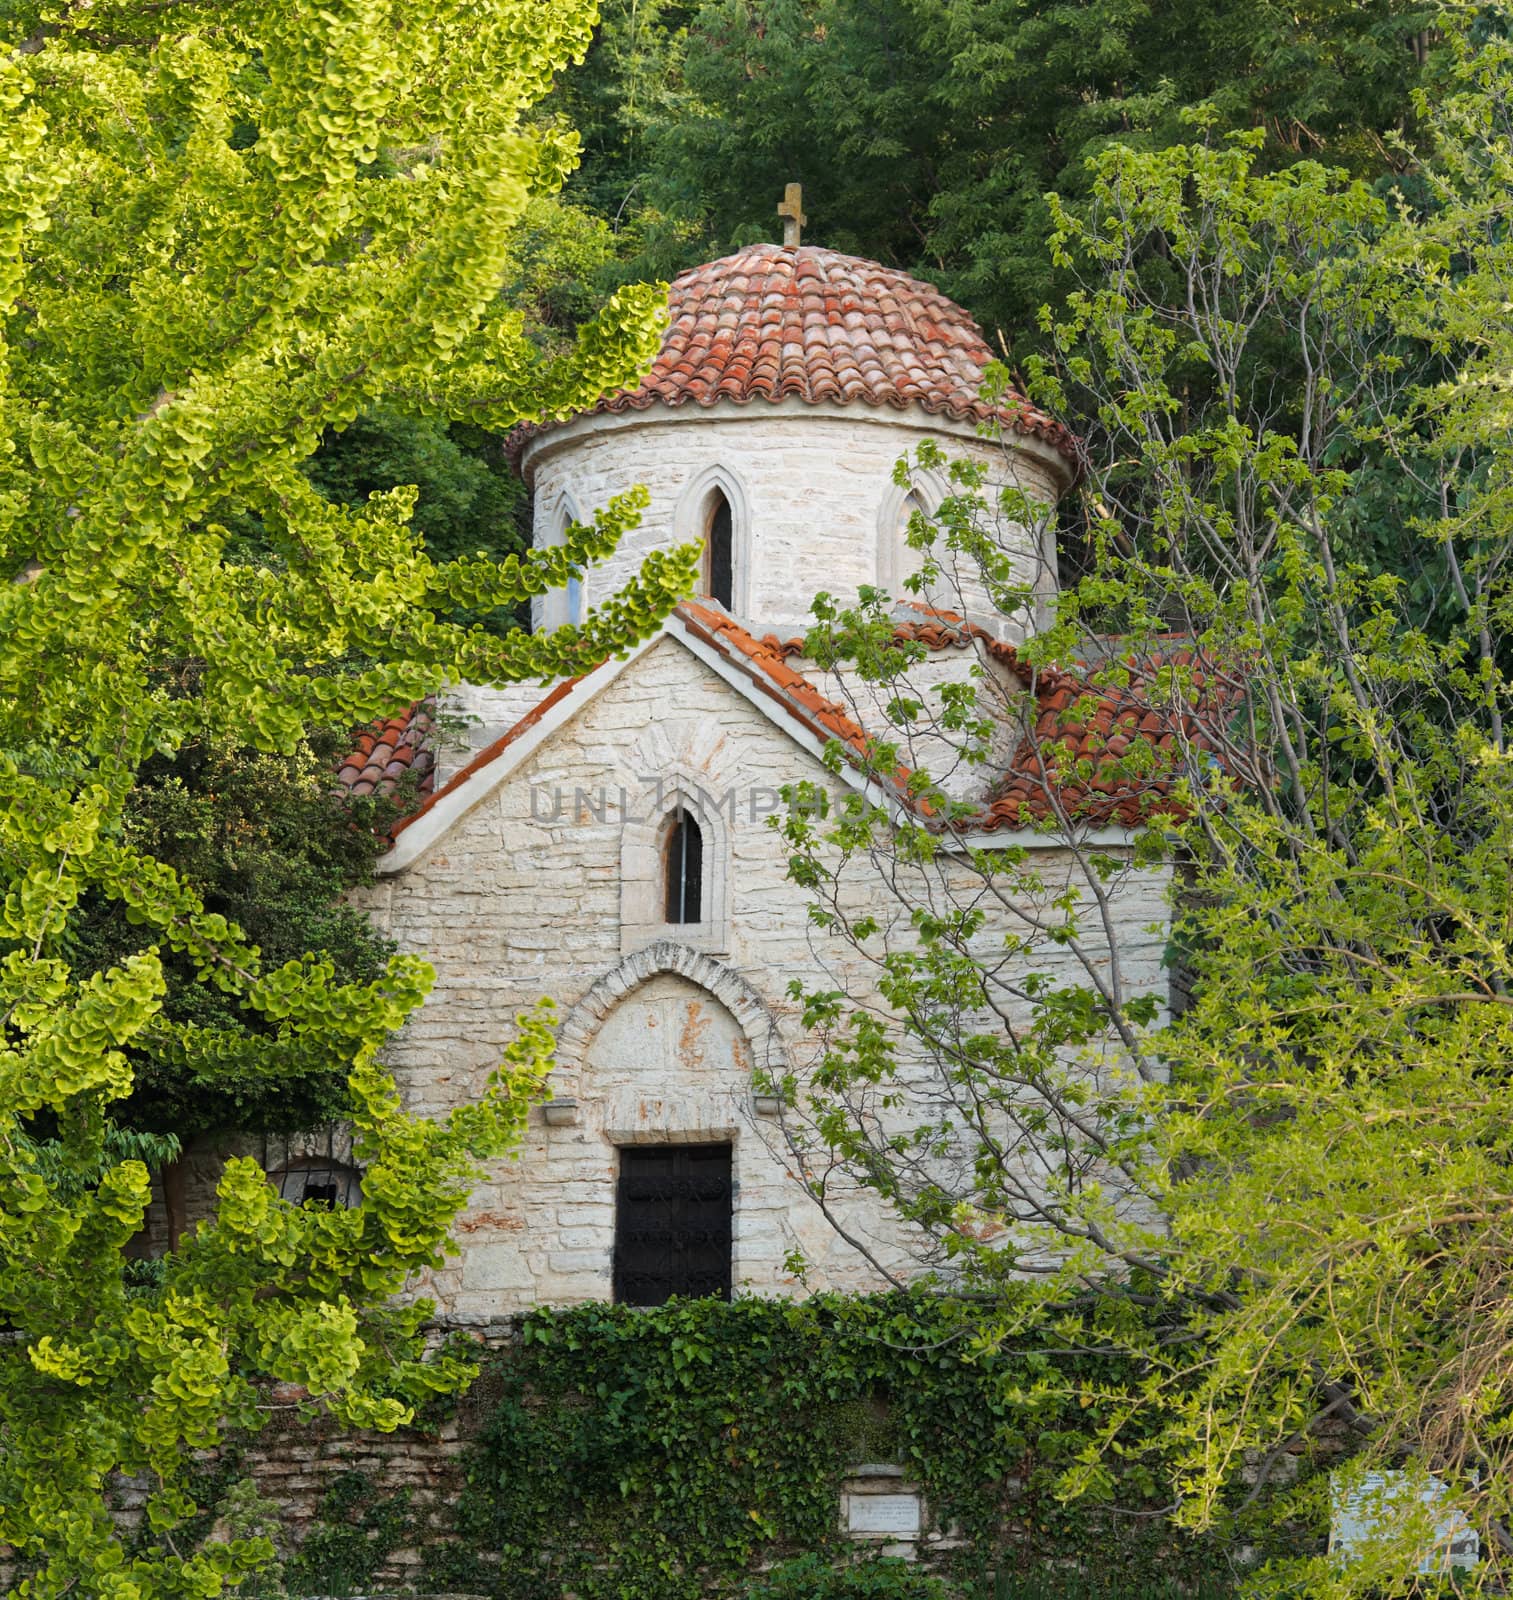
774	322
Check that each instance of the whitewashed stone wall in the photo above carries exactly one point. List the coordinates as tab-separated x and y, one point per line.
473	716
812	492
523	897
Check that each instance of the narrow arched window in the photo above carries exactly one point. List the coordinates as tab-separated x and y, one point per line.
719	561
903	562
572	598
684	867
910	558
912	503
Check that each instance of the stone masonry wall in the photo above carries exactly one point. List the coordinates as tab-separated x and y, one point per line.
413	1479
813	499
525	897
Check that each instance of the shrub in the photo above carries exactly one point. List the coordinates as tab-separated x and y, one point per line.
814	1578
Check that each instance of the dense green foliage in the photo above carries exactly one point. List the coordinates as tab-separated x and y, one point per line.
264	842
926	133
226	233
467	500
354	1533
1073	1583
814	1578
1309	1165
634	1453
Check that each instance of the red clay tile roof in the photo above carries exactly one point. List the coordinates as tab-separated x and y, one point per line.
938	630
827	718
1114	753
772	321
948	630
1095	752
387	750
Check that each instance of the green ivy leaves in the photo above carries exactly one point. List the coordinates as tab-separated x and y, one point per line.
654	1454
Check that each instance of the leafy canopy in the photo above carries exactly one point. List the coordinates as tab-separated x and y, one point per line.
927	132
225	231
1300	1180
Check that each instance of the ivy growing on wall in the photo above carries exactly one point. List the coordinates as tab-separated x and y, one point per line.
632	1454
356	1530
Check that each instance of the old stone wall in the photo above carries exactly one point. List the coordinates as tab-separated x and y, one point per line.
534	892
319	1476
812	495
315	1474
475	717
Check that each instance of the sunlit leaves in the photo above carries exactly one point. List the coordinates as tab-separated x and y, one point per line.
218	244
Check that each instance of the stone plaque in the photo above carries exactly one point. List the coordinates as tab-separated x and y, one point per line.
897	1514
1371	1507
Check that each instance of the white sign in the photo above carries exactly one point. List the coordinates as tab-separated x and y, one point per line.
883	1513
1369	1509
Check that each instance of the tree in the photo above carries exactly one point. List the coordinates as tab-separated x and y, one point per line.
1295	1190
263	841
926	133
224	231
469	499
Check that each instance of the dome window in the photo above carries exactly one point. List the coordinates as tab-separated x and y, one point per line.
719	557
565	605
570	602
683	858
910	559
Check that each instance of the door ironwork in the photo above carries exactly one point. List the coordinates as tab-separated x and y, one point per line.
672	1223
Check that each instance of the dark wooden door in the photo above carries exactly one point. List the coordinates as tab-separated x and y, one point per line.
672	1222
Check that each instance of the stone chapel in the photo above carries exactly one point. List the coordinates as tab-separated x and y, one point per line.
603	840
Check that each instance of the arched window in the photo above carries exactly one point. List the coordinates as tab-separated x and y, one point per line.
897	560
572	599
719	560
675	866
683	868
910	560
912	503
713	511
564	605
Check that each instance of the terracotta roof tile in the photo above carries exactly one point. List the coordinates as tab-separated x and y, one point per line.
825	718
1094	752
389	750
1101	752
489	752
772	322
936	630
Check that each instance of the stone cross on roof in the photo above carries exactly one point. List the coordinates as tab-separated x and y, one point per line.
791	210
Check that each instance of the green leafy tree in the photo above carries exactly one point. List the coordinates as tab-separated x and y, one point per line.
630	92
263	841
927	132
225	231
1296	1186
467	500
